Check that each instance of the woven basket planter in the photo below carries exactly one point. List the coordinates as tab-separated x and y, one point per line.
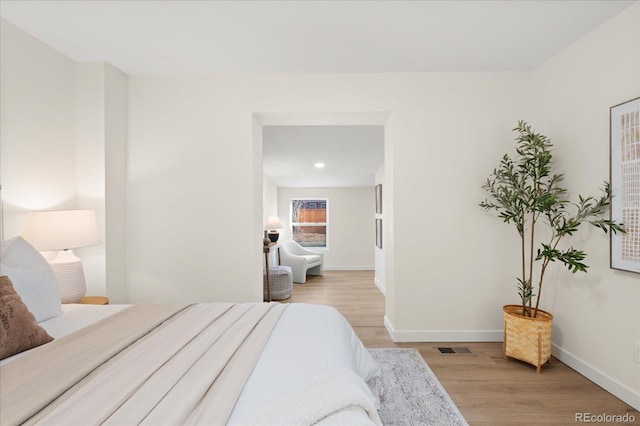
527	339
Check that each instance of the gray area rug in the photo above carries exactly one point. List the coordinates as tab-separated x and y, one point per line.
410	393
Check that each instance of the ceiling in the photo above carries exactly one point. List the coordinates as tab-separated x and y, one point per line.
217	37
351	155
147	37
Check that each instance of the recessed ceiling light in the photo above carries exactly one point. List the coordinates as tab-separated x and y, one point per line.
319	165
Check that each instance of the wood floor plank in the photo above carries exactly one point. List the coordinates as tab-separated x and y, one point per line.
486	389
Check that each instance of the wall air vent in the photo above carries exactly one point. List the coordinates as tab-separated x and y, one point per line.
454	350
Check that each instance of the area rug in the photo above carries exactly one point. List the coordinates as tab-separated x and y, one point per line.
410	393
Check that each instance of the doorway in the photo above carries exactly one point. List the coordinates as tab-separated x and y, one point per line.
292	125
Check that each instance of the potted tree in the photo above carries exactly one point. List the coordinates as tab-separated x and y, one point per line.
524	192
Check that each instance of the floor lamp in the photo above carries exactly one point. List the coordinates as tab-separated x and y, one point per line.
64	230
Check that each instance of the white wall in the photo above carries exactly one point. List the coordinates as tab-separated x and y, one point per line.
190	185
90	166
269	208
452	266
596	315
194	192
101	135
351	233
116	125
37	135
63	146
270	199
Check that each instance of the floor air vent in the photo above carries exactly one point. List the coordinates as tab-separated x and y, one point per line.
454	351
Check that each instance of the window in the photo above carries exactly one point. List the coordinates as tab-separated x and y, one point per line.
309	222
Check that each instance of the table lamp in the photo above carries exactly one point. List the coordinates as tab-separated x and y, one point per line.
64	230
273	224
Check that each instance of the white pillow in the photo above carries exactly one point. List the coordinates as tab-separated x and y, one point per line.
32	277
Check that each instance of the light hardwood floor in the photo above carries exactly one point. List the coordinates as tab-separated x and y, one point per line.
486	389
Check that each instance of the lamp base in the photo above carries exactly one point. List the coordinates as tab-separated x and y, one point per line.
273	236
70	274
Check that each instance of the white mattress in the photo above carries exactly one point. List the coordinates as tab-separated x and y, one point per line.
307	340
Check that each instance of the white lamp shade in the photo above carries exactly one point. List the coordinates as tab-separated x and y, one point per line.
273	223
62	229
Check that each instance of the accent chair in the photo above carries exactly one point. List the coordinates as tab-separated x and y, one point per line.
301	260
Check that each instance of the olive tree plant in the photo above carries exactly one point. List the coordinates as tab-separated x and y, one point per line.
524	192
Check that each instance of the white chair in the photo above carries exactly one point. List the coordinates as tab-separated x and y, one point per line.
301	260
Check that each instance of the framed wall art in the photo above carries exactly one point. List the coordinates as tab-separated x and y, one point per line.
625	184
379	233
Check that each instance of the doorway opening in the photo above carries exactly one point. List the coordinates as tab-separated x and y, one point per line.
287	146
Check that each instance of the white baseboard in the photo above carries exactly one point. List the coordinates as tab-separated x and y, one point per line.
379	285
598	377
350	268
442	335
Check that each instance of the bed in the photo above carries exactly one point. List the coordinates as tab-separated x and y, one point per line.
202	363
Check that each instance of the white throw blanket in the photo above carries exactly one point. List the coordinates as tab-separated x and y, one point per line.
336	397
175	365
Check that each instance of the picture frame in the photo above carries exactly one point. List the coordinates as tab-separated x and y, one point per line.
624	155
379	198
379	233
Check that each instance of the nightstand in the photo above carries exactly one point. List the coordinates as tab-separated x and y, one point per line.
94	300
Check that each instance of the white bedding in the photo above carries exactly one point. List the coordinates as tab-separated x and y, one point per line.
307	342
73	318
